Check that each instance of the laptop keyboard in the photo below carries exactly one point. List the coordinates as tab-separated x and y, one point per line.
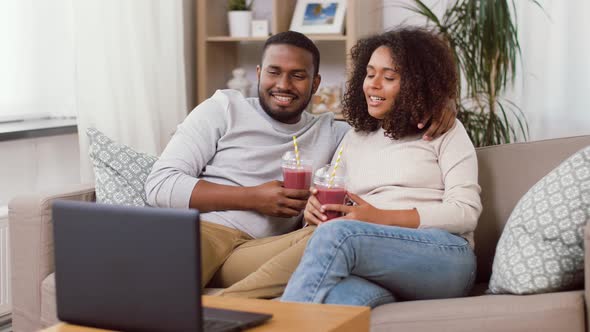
218	325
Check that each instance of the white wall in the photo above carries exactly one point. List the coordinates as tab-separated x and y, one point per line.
36	164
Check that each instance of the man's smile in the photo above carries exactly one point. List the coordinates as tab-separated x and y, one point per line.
283	99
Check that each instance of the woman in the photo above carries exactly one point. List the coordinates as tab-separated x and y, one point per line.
409	234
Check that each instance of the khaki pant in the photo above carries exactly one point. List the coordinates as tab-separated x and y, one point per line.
252	268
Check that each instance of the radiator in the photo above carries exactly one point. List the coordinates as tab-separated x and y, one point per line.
4	263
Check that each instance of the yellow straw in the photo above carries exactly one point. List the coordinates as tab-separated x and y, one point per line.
336	164
296	151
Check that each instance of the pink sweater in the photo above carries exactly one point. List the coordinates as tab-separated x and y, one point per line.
438	178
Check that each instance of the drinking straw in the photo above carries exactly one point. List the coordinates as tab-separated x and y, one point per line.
336	164
296	151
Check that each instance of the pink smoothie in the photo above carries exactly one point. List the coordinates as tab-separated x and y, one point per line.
331	196
296	178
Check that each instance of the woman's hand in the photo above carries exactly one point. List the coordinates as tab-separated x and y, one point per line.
362	211
313	209
366	212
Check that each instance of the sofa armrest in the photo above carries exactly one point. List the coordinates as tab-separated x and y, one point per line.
31	250
587	274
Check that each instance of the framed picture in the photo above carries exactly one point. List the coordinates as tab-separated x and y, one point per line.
319	16
259	28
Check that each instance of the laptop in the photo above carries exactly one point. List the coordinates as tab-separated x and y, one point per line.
134	269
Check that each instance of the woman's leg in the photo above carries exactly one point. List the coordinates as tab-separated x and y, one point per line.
354	290
275	259
410	263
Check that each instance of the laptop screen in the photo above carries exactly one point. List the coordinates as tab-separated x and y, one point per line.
127	268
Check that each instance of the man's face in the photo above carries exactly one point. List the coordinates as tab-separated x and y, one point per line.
286	82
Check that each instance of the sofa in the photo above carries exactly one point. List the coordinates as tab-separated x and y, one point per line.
506	172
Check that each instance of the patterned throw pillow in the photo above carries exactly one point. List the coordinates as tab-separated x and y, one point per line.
120	171
542	246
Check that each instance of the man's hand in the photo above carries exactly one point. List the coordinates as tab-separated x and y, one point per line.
272	199
439	125
362	211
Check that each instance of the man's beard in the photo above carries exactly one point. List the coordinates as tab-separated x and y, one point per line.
284	117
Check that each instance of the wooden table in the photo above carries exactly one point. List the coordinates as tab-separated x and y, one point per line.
286	316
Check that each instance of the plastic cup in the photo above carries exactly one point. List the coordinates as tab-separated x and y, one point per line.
331	189
296	176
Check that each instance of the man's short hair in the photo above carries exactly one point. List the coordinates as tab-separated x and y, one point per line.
298	40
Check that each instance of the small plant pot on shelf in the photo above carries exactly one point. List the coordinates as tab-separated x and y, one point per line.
239	23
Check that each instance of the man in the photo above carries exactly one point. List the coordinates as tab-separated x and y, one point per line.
224	160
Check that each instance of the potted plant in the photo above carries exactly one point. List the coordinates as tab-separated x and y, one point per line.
239	17
484	40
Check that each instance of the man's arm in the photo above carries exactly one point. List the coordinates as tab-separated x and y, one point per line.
269	198
175	173
174	179
441	123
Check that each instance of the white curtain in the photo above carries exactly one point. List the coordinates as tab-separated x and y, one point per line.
133	71
553	87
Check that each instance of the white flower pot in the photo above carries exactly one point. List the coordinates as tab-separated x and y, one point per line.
239	23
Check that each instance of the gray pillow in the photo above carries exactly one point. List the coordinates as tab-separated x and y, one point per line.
542	246
120	172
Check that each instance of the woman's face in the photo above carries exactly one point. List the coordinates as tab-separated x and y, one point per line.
382	83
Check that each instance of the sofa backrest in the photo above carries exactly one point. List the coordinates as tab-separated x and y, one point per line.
506	173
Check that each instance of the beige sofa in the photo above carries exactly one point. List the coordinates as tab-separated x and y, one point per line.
506	173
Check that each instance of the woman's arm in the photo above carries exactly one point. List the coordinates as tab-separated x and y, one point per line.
461	205
364	211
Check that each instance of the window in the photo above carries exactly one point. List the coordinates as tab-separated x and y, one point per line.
37	59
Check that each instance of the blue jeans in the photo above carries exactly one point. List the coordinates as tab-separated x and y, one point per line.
358	263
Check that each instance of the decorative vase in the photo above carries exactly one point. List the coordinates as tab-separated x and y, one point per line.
239	81
239	23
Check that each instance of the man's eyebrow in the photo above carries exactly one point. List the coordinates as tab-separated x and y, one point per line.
275	67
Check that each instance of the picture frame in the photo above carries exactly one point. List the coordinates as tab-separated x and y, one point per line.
260	28
319	16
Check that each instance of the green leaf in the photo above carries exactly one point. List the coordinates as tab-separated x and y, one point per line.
484	41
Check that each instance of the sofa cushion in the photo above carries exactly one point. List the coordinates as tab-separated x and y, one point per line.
120	171
542	248
544	312
506	173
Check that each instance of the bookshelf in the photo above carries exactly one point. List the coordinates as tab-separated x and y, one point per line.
218	53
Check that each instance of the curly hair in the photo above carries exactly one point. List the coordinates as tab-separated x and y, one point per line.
428	80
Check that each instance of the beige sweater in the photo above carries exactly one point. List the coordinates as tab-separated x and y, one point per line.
438	178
